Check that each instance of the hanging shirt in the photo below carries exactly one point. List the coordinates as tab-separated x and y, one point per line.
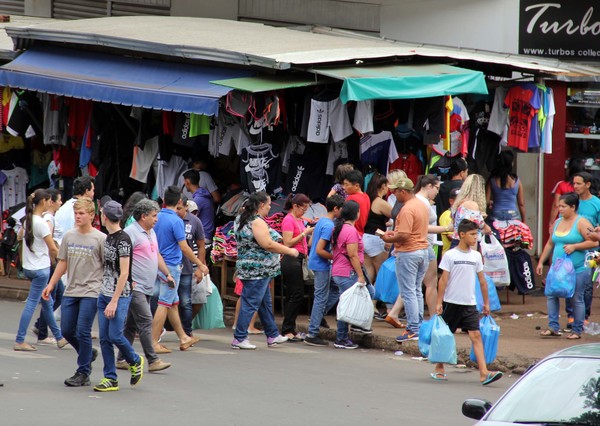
548	126
363	117
260	169
168	172
378	150
338	151
499	115
143	160
14	190
523	105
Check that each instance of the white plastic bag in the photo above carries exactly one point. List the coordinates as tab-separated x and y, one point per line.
356	307
495	262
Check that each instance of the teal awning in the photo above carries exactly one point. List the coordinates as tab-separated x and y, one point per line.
405	81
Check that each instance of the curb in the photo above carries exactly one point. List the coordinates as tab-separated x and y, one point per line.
13	293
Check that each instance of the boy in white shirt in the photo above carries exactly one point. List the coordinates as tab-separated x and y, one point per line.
456	297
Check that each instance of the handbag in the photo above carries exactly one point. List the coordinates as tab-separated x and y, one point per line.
307	273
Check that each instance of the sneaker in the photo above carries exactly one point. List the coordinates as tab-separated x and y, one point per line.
77	380
315	341
107	385
47	341
61	343
137	372
378	316
406	336
274	341
122	365
158	365
360	330
345	344
244	344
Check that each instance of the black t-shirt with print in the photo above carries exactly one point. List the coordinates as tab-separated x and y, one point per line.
116	246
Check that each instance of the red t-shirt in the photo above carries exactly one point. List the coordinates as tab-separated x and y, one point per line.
365	206
521	113
563	187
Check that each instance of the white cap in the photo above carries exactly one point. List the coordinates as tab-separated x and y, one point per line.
192	206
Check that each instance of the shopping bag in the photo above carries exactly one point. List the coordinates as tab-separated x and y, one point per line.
490	333
560	281
492	295
495	262
386	284
425	336
307	273
443	345
211	314
356	307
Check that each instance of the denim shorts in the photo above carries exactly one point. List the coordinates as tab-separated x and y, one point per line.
431	254
374	245
168	296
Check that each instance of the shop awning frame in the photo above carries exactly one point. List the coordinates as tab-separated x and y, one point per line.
407	81
117	79
266	83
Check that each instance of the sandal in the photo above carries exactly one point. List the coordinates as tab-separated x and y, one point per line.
573	336
550	333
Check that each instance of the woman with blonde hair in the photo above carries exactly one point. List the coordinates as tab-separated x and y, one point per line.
470	204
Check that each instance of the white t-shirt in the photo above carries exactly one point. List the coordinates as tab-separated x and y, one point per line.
143	160
462	267
363	117
65	216
37	258
57	234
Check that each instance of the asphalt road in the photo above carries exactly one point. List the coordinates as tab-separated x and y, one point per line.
292	384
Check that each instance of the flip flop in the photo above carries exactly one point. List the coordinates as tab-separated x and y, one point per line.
185	346
492	377
440	377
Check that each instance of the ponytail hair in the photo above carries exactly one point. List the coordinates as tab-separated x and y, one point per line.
350	211
292	199
251	205
32	201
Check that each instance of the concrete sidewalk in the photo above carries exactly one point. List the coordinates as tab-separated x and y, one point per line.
520	342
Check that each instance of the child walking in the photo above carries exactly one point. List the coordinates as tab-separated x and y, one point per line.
456	297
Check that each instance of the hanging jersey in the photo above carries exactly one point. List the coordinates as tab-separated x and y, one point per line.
260	169
363	117
378	150
143	160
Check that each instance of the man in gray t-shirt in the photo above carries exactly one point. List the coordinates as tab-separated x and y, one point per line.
146	261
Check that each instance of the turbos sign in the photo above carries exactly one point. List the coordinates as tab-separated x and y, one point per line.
566	29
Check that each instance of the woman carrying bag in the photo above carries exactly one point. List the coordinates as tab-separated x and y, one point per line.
568	238
295	235
348	256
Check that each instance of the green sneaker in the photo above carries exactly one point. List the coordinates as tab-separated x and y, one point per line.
107	385
137	372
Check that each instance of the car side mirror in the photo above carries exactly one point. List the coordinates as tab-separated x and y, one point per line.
475	408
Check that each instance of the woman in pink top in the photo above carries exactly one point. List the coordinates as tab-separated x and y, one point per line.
348	256
294	235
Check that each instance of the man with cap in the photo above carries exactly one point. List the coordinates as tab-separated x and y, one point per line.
410	245
114	300
194	235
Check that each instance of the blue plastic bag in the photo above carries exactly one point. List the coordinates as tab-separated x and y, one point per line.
490	333
211	314
492	295
425	336
560	281
386	285
443	345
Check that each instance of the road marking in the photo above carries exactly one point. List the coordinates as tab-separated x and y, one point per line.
22	354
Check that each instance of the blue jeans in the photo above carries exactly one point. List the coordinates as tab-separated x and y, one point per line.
506	214
587	300
185	302
256	296
77	317
410	270
111	334
577	301
39	279
342	284
41	324
319	307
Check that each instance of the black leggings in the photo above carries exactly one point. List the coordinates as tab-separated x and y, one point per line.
293	284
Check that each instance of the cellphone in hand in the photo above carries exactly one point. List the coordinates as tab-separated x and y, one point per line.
379	232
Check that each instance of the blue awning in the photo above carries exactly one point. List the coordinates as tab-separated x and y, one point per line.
116	79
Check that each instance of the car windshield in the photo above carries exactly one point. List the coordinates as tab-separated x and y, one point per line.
557	390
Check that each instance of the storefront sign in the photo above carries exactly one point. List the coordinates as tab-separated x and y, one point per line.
563	29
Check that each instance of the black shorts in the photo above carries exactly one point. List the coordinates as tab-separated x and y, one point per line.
461	316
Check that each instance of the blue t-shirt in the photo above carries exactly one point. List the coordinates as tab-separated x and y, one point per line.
322	231
169	231
590	209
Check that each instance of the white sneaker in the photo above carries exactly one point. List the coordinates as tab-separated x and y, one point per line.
274	341
47	341
244	344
